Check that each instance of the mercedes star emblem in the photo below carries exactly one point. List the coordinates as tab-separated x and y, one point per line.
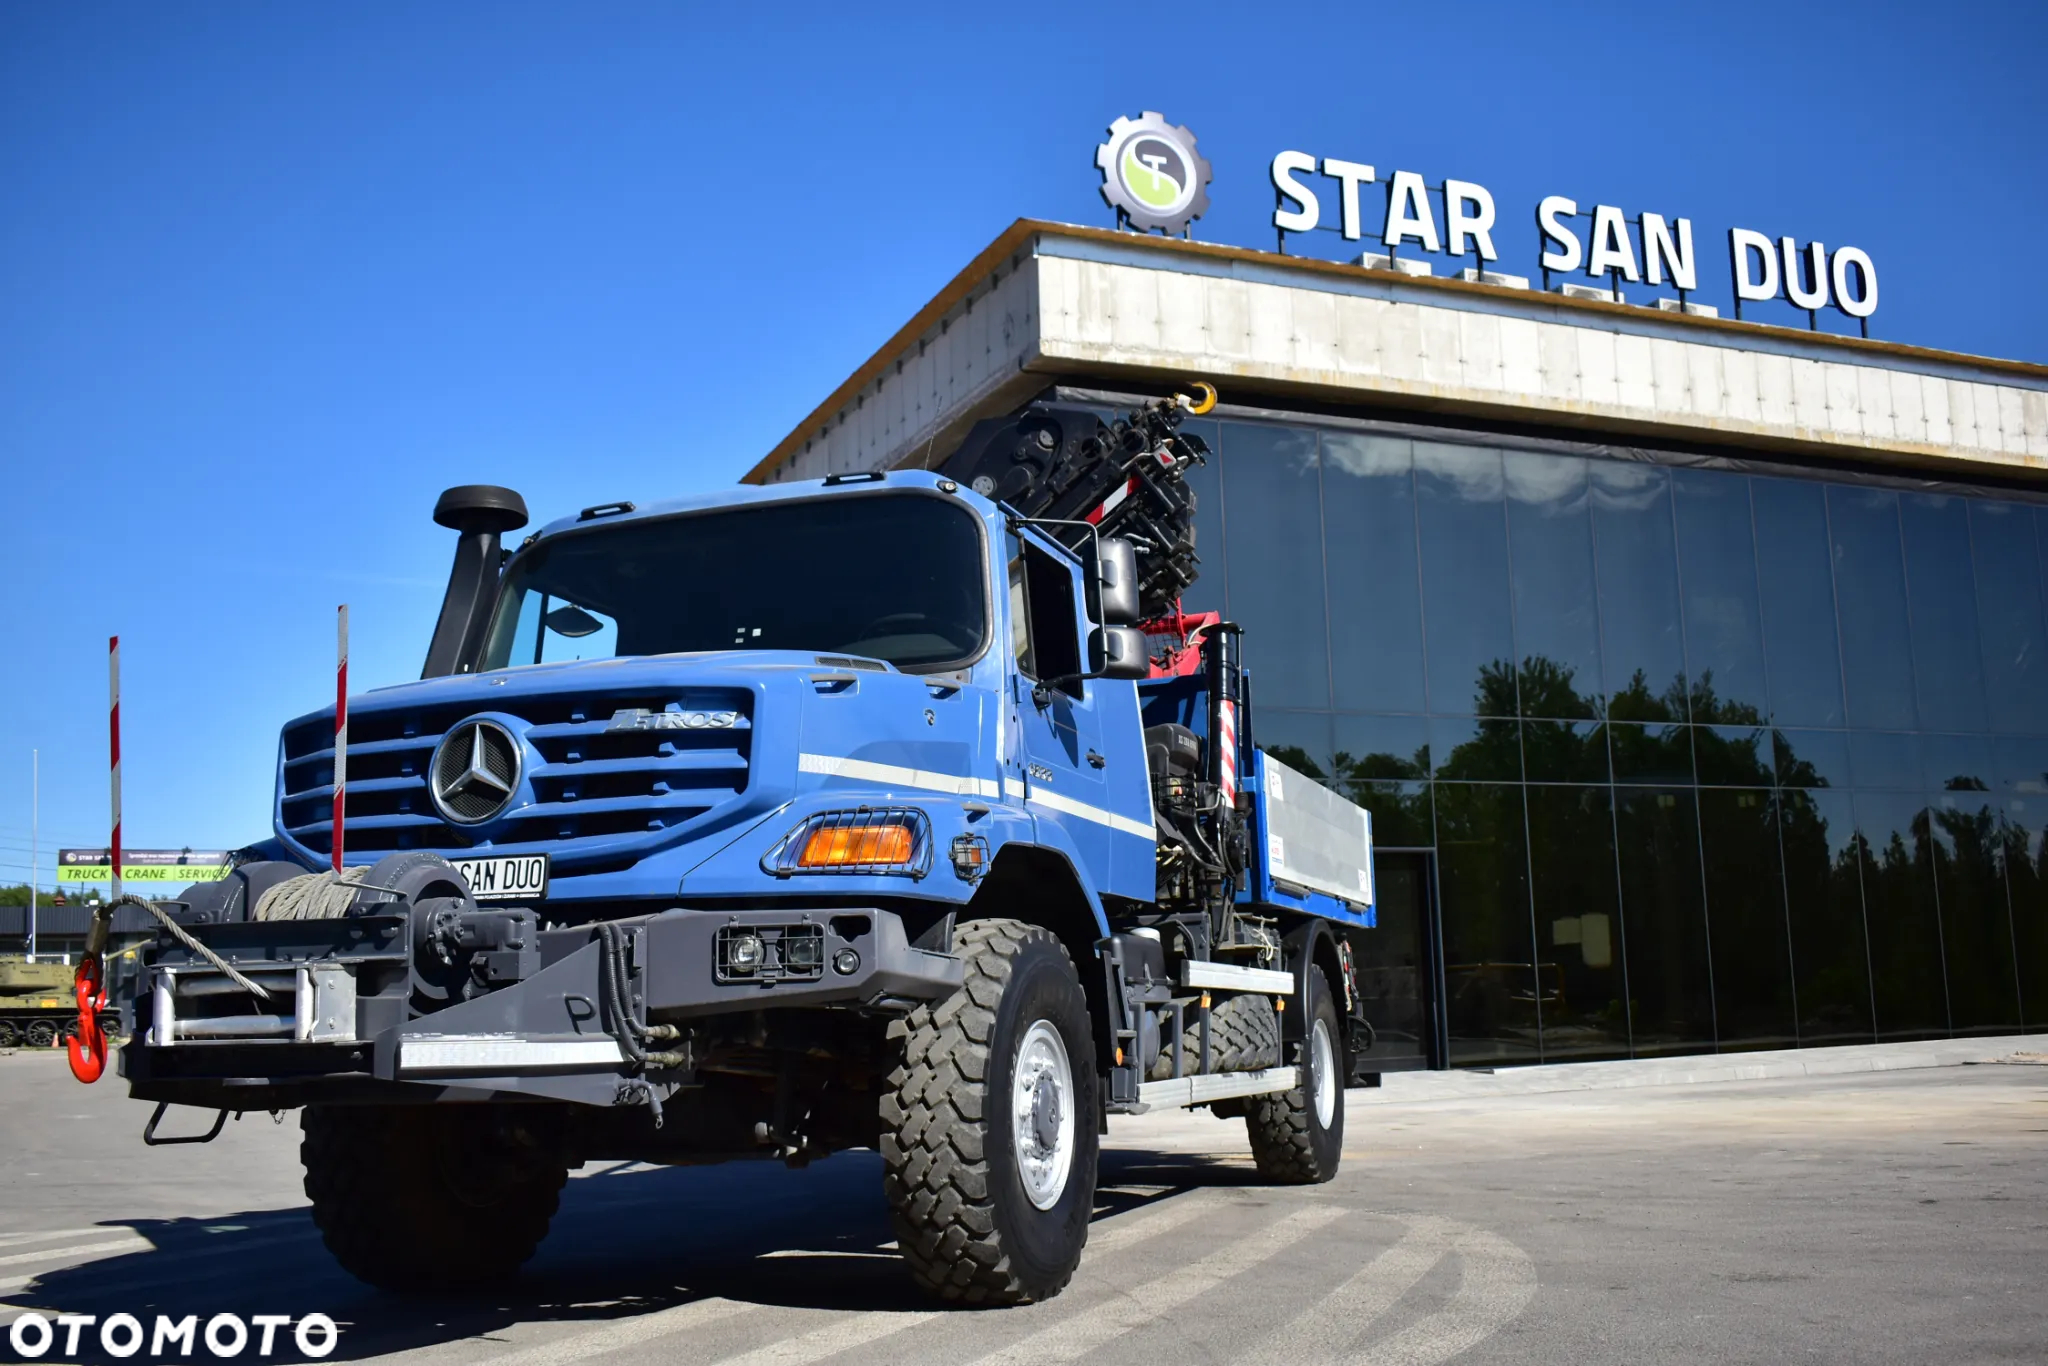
475	772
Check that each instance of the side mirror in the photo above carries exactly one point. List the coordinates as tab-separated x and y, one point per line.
1118	652
1116	570
572	621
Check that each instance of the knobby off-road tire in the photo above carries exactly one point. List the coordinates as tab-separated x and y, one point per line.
1298	1135
1244	1036
982	1215
410	1199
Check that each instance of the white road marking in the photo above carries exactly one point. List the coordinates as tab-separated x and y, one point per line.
620	1333
143	1273
17	1239
839	1336
133	1242
1352	1307
859	1329
1142	1305
1149	1222
1497	1282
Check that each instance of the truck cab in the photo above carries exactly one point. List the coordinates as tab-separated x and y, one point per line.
659	698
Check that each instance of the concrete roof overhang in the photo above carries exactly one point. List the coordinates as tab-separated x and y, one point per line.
1047	301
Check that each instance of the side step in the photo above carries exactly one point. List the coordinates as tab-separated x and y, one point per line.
1229	977
1185	1091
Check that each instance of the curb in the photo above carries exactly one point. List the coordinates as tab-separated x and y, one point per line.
1691	1071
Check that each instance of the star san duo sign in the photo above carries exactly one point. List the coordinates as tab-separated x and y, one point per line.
1156	180
1807	275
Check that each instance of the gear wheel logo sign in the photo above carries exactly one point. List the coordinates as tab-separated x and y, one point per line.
1152	175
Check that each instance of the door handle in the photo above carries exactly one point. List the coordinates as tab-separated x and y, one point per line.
1096	760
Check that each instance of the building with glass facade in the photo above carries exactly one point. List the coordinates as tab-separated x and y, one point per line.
1701	704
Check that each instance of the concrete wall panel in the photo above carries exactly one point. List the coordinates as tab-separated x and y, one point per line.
1597	370
1558	350
1521	358
1442	361
1479	351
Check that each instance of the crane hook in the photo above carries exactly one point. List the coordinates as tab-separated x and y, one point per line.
86	1046
1195	406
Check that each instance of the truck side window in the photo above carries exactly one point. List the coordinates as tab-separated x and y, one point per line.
1020	620
1049	649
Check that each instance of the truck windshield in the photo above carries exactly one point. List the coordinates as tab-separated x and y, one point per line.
889	576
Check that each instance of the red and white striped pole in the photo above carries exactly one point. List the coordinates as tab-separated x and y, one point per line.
1227	740
114	751
340	727
85	1045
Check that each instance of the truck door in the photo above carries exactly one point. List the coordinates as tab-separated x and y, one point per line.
1058	724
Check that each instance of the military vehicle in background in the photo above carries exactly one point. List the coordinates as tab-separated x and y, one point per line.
36	1005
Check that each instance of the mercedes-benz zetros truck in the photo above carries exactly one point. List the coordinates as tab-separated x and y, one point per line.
899	811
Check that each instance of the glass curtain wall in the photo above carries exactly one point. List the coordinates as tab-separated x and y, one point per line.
1708	760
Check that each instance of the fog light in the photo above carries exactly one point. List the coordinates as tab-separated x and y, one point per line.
801	952
744	953
846	962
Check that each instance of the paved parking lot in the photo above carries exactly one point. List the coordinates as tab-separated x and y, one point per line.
1893	1217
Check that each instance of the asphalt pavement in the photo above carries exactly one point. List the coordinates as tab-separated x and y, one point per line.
1884	1217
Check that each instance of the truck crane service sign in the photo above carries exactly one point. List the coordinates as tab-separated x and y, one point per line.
1155	180
171	867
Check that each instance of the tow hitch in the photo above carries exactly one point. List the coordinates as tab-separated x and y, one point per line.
149	1134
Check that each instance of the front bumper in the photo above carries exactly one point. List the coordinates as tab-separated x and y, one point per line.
336	1032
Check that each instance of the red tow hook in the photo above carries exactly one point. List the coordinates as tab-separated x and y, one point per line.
87	1046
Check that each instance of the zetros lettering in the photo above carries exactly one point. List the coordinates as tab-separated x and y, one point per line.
640	718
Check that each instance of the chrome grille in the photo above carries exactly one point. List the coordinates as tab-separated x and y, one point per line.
584	782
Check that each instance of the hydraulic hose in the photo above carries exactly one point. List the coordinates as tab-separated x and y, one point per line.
633	1037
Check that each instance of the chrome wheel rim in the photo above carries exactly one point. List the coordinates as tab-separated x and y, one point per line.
1323	1063
1042	1113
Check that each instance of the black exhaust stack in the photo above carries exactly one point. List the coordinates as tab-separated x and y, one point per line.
481	513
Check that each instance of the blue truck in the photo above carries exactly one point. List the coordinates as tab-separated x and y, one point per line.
899	811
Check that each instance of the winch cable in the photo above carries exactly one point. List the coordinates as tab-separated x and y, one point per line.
183	936
314	896
87	1048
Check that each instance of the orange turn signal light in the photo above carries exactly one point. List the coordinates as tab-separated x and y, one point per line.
839	847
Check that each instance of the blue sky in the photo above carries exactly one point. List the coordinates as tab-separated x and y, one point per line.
271	276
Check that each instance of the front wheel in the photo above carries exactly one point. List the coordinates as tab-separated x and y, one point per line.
1298	1135
990	1123
428	1197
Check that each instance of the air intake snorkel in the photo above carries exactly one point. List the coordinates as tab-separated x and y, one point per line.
481	513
